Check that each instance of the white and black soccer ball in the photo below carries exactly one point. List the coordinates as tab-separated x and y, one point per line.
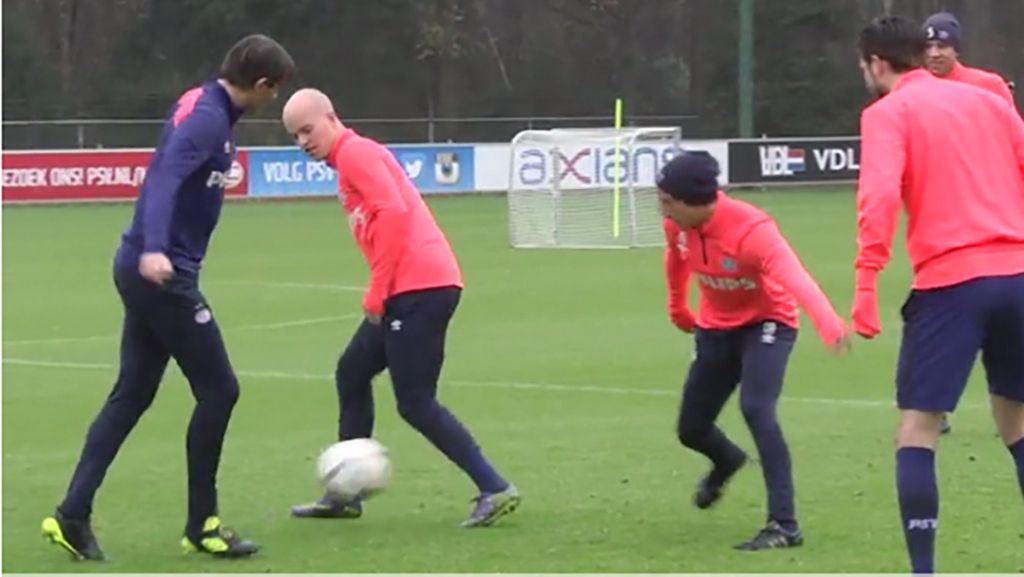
354	469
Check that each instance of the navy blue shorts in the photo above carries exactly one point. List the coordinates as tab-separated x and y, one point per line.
943	330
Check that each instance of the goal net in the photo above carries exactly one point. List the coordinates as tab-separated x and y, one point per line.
588	188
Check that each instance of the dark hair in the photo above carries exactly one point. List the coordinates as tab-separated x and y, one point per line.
256	56
896	40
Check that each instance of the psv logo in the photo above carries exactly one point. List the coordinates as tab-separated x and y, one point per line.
922	524
230	179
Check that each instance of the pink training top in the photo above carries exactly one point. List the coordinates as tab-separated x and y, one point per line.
982	79
393	226
954	155
746	272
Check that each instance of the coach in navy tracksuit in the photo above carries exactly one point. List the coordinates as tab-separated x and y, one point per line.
156	271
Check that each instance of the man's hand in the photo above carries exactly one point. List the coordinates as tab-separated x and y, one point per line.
373	308
865	317
843	344
866	321
372	317
155	267
683	320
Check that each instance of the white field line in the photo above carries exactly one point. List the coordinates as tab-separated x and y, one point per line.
549	387
271	326
290	285
254	327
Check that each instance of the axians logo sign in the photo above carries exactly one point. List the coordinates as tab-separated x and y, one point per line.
590	166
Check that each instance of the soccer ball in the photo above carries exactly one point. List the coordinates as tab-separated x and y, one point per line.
354	469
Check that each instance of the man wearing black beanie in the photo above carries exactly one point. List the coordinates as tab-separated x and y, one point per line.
751	283
942	57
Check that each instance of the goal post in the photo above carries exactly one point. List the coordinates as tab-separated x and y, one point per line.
587	187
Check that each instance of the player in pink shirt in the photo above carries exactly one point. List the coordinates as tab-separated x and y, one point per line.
942	57
751	283
414	289
953	155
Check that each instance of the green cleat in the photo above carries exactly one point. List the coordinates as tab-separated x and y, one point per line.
218	541
75	536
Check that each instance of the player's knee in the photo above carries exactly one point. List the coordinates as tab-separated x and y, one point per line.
350	377
690	432
918	428
128	406
1009	417
131	397
231	391
417	410
758	413
347	385
222	391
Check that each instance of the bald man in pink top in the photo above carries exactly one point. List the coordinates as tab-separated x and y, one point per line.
751	284
953	155
414	289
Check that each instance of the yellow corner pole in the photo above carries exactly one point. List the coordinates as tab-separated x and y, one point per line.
616	193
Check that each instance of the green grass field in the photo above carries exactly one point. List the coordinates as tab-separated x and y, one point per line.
563	364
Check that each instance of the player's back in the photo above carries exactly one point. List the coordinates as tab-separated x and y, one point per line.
424	233
963	188
180	200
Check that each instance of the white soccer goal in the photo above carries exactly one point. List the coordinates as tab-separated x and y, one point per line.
587	188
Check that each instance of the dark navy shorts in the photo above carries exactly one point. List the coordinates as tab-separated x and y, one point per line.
943	331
